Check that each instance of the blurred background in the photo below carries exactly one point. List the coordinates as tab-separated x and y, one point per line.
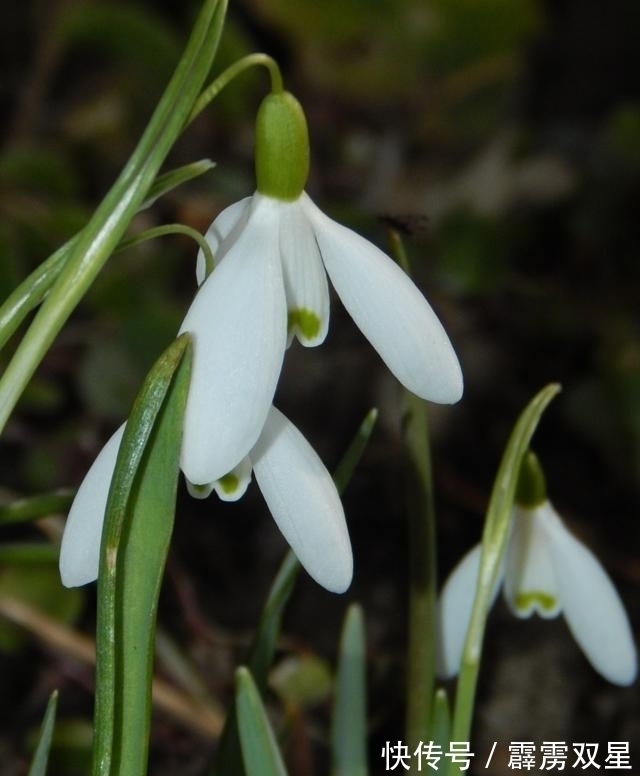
503	138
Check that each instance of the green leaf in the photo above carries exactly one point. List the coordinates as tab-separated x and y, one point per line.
441	722
135	542
349	723
41	756
259	748
171	180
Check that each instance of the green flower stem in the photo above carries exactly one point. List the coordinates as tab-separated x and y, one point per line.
233	71
97	241
165	229
494	541
421	658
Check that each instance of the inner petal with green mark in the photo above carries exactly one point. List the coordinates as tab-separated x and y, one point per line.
536	600
304	321
229	483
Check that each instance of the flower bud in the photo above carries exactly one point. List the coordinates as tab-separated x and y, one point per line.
282	147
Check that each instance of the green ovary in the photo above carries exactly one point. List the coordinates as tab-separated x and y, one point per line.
305	321
229	483
546	602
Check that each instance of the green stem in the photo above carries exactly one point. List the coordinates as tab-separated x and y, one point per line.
233	71
98	239
165	229
421	658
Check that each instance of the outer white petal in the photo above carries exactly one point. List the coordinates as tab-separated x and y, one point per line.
238	322
592	606
389	310
454	611
530	582
304	502
305	279
222	233
80	550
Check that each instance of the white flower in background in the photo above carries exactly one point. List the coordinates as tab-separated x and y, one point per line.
547	571
298	490
273	252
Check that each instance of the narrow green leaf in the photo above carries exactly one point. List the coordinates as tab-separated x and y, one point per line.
351	457
228	760
494	540
168	181
41	756
26	509
135	541
259	748
349	723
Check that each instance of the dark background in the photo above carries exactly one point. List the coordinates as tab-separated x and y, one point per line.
505	136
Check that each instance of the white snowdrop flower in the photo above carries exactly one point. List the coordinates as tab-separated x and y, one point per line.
297	487
273	253
546	571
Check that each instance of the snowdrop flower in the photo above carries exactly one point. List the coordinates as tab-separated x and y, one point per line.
546	570
297	487
273	252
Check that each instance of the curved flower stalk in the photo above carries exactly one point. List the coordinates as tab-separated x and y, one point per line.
273	253
297	487
546	571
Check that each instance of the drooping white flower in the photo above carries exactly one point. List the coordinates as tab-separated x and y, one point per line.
297	487
273	252
546	571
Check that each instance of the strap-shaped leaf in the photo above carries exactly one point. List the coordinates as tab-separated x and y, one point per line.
349	723
135	541
41	755
259	748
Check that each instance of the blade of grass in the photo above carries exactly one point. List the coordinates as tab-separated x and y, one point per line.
349	723
41	756
259	748
26	509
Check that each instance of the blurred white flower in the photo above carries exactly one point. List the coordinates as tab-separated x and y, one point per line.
546	570
297	487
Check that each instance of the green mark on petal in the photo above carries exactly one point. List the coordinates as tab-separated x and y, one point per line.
526	601
229	483
305	321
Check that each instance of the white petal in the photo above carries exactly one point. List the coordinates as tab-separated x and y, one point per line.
454	612
389	310
238	321
304	502
592	606
222	233
530	583
305	279
80	550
